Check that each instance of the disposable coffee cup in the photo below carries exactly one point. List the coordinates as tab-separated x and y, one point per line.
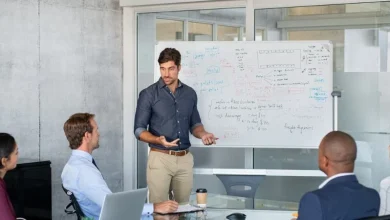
201	197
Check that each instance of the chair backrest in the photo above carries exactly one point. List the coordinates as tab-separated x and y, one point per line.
73	202
383	217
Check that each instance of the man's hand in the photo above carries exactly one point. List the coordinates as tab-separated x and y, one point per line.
208	139
165	143
165	207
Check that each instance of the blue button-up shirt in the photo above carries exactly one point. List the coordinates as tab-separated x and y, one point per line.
86	182
167	114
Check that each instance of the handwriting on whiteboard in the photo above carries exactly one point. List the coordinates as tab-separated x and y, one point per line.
249	91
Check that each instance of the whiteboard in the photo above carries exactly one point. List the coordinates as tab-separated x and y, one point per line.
260	94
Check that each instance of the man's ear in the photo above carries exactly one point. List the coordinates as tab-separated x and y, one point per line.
178	68
325	161
87	136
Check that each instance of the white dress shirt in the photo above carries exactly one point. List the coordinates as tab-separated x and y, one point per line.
84	179
334	177
384	194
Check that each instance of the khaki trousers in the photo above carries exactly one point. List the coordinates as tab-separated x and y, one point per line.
168	172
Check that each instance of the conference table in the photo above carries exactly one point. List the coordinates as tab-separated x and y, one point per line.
220	206
220	214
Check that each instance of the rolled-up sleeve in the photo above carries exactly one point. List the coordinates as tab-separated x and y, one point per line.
195	117
143	112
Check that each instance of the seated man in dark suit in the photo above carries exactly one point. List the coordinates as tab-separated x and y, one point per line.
340	196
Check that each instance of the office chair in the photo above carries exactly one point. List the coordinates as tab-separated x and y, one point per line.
76	207
383	217
252	182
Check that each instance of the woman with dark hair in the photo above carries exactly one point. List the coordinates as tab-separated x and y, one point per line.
8	161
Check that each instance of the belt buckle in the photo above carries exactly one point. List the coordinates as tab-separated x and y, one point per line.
177	152
174	152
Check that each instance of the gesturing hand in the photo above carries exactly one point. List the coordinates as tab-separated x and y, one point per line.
208	139
165	143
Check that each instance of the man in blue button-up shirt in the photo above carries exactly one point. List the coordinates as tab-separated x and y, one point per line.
81	175
166	114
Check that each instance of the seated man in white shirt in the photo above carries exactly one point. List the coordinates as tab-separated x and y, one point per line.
384	193
81	175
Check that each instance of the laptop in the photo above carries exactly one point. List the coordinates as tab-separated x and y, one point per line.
124	205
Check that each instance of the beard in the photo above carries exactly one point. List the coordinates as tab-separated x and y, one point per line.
168	81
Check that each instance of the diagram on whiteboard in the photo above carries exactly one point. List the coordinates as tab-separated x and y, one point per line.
260	93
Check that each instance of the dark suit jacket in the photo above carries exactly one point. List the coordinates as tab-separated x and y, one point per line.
341	198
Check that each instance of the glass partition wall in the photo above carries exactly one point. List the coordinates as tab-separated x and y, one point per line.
361	73
361	60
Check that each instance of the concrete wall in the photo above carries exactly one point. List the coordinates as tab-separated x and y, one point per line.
58	57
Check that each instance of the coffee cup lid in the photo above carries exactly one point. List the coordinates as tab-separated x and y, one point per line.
201	190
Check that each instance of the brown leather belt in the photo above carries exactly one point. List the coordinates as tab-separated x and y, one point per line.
171	152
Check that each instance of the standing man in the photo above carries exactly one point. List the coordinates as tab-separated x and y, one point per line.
169	108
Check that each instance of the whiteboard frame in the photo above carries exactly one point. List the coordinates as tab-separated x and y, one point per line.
248	148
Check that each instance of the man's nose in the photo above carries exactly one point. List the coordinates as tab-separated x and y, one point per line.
165	73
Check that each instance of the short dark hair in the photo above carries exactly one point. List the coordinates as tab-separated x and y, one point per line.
170	54
7	146
75	128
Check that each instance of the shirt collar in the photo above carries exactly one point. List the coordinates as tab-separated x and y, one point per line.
161	83
83	154
334	177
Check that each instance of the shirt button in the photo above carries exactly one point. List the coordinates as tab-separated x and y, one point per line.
177	110
178	121
179	132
